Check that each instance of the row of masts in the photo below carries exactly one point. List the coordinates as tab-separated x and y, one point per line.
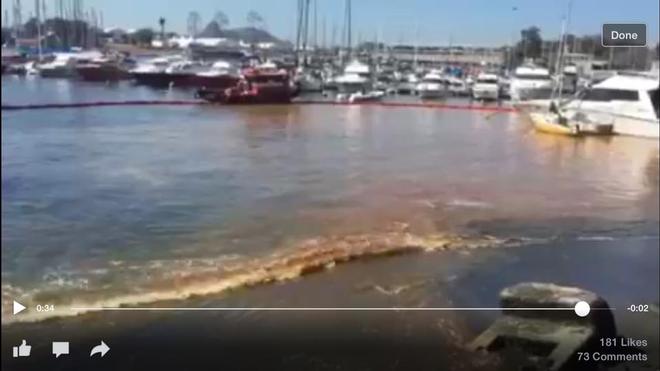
307	9
82	25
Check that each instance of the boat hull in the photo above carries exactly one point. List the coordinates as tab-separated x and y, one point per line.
161	79
432	93
485	94
530	93
550	124
405	88
217	82
262	95
102	73
57	73
636	127
543	123
622	124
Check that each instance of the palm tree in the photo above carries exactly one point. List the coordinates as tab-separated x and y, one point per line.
221	18
161	22
194	19
255	20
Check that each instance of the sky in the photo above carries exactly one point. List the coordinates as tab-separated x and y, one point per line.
425	22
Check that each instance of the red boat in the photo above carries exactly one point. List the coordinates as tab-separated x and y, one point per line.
260	85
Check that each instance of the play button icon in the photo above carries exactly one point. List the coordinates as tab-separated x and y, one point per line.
18	307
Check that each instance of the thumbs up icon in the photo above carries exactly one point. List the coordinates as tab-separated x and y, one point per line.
22	350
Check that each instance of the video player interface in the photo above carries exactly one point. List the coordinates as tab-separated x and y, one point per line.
330	185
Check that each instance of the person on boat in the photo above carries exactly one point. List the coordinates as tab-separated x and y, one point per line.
243	85
560	118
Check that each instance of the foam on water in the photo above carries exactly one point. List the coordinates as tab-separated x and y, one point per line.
287	263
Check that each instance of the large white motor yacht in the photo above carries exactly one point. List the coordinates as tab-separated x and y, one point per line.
629	101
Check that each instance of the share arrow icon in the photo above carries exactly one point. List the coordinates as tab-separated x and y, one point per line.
103	348
18	307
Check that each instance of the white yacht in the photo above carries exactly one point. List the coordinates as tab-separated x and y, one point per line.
531	82
407	84
629	101
486	87
63	66
433	85
356	77
458	87
308	80
156	65
355	83
221	74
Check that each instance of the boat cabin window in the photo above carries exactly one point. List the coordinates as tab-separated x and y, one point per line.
532	77
655	100
605	95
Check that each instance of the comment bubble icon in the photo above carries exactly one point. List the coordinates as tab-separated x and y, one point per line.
60	347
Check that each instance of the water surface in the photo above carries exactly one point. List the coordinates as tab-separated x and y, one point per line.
113	205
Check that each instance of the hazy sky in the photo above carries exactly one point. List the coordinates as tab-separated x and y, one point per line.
472	22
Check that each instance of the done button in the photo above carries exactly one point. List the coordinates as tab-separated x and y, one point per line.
624	34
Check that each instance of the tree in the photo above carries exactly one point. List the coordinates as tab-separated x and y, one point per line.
161	23
194	20
254	19
221	19
143	36
530	44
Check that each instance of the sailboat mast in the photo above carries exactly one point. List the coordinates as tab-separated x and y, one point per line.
559	65
37	11
350	26
316	25
306	30
299	31
416	46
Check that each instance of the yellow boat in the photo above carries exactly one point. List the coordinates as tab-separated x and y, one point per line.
551	123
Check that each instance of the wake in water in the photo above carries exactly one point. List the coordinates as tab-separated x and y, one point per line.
220	275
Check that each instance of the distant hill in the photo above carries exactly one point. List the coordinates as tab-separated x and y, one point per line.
247	34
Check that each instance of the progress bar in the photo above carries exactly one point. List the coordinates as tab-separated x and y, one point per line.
581	309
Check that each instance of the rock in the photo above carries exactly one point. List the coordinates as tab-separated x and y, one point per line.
539	329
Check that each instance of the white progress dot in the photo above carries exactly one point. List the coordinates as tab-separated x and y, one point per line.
582	308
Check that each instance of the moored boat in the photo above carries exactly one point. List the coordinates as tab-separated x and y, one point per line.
265	84
63	66
486	87
370	96
531	82
577	125
433	86
104	69
630	101
153	72
407	84
221	75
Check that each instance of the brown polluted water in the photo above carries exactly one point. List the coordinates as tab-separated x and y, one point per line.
235	206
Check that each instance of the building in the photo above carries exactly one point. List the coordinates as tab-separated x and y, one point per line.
438	55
